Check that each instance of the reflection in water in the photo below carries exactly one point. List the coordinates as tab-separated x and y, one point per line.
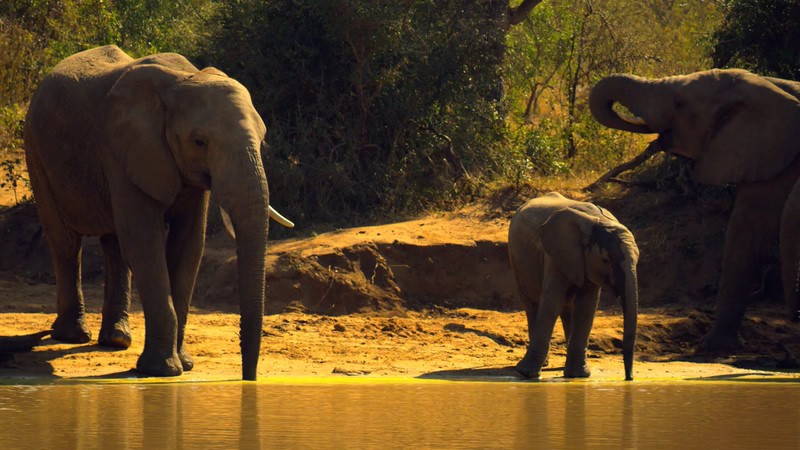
461	415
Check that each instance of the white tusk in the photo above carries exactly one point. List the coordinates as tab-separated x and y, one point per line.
635	120
277	217
226	222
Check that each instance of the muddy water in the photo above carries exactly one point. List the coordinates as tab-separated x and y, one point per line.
400	415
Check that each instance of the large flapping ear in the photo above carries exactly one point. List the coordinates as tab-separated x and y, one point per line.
753	136
135	127
564	237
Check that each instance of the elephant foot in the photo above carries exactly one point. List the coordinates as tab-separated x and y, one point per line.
716	341
116	335
186	360
581	371
528	368
73	331
153	364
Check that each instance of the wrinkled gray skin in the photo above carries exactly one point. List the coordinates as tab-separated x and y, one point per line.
740	129
128	150
790	252
563	252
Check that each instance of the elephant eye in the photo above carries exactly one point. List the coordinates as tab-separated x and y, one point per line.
200	143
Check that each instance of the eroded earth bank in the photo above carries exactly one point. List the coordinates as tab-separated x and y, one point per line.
431	297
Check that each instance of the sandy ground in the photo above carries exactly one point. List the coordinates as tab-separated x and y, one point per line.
435	342
428	298
460	344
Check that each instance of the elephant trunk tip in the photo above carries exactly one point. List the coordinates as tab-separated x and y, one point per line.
628	358
249	374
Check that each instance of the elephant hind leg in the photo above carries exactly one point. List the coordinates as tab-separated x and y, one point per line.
70	323
65	251
115	331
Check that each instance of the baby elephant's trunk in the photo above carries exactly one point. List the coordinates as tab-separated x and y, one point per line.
630	308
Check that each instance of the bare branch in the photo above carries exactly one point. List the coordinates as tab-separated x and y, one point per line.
518	14
611	175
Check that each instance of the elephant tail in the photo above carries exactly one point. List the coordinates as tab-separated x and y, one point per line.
795	300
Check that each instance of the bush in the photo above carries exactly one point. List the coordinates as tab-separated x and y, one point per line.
371	107
760	35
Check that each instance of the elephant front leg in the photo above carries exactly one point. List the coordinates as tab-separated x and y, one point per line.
752	231
142	236
583	314
115	330
184	251
790	253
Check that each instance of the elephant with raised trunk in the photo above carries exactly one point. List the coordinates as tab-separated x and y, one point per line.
128	150
739	128
563	252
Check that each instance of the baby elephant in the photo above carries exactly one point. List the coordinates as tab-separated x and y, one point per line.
562	253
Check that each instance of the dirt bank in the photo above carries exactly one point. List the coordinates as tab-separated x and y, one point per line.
432	297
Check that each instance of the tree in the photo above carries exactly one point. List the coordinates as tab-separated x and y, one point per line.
564	46
760	35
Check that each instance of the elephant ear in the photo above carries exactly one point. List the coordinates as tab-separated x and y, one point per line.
753	136
564	238
137	112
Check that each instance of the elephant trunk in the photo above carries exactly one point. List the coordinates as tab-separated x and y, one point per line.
630	91
246	198
630	309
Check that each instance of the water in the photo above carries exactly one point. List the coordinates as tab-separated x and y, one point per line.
373	414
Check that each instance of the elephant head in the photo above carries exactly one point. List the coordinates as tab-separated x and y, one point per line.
607	256
171	130
737	126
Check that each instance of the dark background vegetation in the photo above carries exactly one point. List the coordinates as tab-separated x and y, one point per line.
379	108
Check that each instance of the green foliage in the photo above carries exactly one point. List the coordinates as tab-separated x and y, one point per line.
370	105
565	46
377	107
760	35
36	34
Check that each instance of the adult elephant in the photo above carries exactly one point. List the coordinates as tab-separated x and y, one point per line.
740	129
128	150
562	253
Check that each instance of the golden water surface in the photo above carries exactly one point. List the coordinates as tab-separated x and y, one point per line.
400	415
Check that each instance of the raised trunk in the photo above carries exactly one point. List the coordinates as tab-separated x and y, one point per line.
246	197
630	308
633	92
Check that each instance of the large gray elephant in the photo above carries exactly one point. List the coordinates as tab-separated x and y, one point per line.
740	129
128	150
562	253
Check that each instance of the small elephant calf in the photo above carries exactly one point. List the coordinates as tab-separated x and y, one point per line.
562	253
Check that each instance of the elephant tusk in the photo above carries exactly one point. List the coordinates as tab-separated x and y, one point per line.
277	217
227	223
633	120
